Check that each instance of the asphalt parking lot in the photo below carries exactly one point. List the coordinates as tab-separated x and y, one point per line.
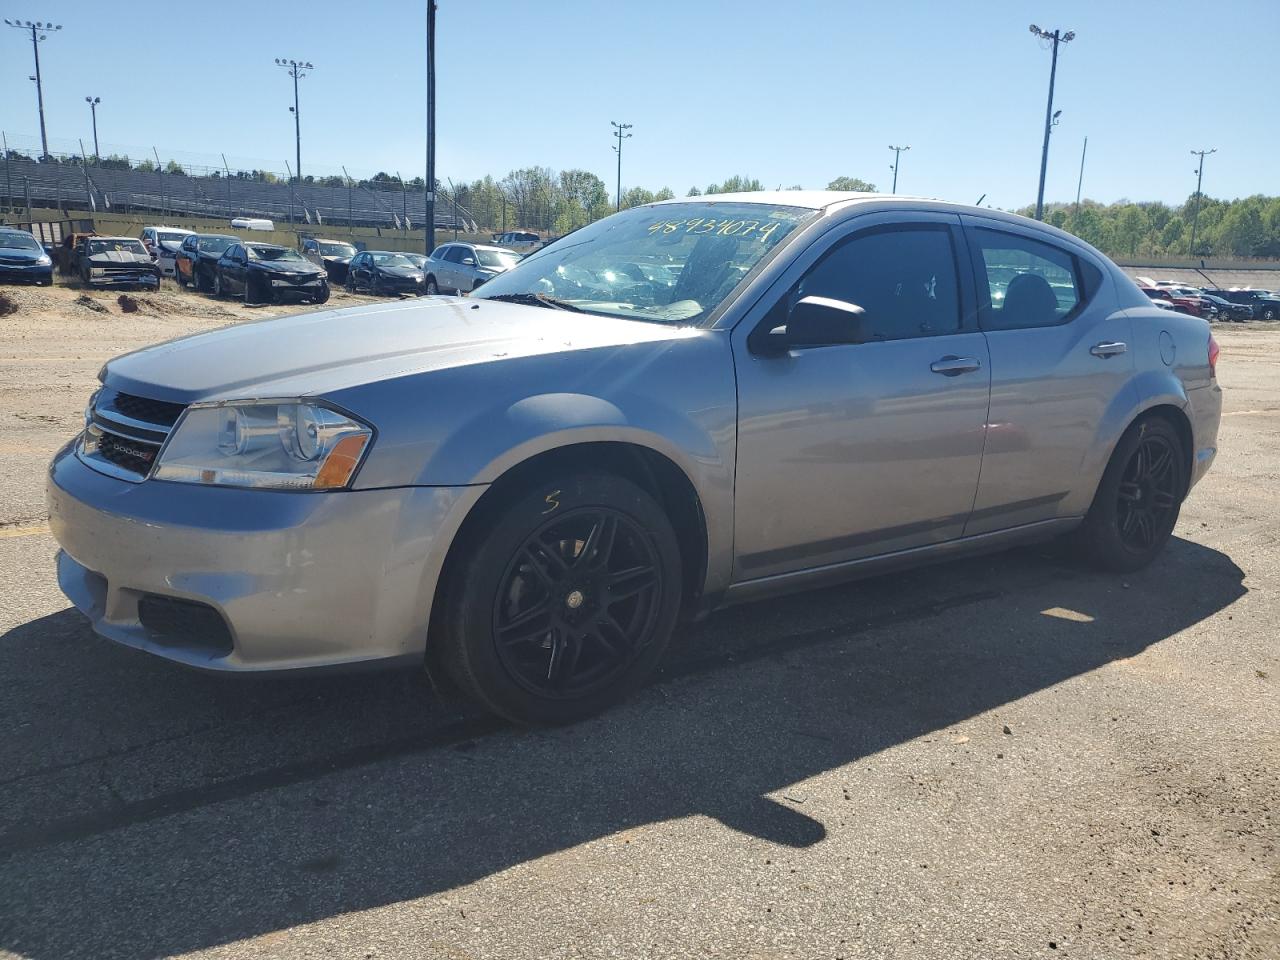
1006	757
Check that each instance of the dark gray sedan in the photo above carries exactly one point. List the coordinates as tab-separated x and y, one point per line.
527	489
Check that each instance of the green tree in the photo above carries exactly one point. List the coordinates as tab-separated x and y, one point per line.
851	183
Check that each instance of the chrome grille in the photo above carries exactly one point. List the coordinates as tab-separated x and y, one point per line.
124	433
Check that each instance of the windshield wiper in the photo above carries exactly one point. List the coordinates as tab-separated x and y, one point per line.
535	300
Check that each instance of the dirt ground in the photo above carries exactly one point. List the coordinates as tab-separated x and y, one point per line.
1007	757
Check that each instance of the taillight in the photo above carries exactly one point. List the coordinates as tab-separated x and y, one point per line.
1213	356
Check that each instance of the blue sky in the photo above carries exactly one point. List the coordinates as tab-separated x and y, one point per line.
790	92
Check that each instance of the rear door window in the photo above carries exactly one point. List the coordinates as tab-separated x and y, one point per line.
1029	283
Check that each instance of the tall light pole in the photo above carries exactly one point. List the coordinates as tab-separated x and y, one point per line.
1080	182
93	108
1195	217
1057	37
296	69
619	131
38	31
897	159
429	197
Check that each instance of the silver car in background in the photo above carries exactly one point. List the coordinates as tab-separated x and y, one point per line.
461	267
685	405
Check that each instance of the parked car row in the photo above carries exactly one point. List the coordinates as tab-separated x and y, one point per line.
1212	303
259	272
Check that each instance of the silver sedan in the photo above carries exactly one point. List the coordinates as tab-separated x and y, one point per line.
685	405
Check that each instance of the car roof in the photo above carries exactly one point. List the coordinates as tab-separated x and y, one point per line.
489	246
94	236
217	236
328	240
172	229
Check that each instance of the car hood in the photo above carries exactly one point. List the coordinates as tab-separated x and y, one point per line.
406	273
20	253
119	256
312	354
329	259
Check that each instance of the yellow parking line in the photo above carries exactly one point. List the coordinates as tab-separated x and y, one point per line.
38	530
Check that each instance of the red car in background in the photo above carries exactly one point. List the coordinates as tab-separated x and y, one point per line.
1192	305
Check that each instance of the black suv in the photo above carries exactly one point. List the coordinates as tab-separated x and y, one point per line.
1266	305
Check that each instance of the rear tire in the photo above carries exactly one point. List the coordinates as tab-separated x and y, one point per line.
1137	503
561	599
432	289
217	286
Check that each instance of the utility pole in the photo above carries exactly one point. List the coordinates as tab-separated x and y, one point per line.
897	160
290	172
429	197
88	186
8	174
230	208
1057	37
351	225
295	69
619	132
1080	182
93	108
39	31
1195	217
164	199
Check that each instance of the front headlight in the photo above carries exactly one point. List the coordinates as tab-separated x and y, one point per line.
97	271
44	261
277	444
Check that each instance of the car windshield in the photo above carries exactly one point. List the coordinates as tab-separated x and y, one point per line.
117	246
418	258
705	249
392	260
497	258
337	250
19	241
214	244
257	252
169	237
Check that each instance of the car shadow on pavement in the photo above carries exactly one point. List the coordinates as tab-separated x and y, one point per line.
149	811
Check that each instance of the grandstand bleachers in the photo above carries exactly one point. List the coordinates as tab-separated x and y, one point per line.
69	184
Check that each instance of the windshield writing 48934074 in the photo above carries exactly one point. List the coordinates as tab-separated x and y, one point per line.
726	227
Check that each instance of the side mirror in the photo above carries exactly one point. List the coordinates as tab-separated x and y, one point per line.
815	322
468	262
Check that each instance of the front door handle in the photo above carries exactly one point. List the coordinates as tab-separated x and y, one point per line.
1108	348
954	366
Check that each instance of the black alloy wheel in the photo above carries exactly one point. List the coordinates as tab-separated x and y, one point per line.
1148	492
577	603
562	599
1138	499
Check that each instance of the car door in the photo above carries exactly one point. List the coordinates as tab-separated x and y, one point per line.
233	270
447	272
355	270
852	450
468	269
1059	361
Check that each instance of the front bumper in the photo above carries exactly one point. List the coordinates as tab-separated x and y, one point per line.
298	579
26	273
126	278
385	284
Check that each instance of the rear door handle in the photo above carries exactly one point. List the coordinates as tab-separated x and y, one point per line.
954	366
1109	348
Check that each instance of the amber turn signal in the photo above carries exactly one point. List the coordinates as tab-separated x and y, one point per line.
341	462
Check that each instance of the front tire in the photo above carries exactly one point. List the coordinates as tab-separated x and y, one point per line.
1269	313
1137	503
217	286
432	289
562	600
322	296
